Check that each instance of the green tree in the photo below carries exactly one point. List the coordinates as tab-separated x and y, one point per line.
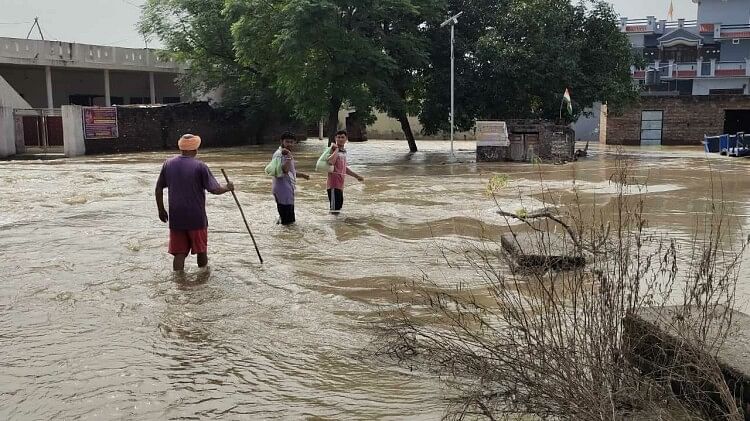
478	15
198	32
318	55
403	35
606	57
517	57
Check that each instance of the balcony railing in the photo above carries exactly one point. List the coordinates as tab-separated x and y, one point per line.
686	70
651	25
698	70
731	31
731	69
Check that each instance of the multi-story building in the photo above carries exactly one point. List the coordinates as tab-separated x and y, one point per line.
694	78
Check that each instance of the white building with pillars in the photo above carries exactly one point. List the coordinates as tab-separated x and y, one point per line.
49	74
37	77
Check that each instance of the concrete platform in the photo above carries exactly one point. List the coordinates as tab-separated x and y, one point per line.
543	250
661	350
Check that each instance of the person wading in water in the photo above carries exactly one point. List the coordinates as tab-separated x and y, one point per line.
187	179
339	170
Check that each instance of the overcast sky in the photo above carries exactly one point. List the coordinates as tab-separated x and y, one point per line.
112	22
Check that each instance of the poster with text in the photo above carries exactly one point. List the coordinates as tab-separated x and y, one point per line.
100	123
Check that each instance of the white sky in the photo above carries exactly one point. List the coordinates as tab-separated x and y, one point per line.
112	22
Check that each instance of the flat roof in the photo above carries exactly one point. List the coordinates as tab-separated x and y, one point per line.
62	54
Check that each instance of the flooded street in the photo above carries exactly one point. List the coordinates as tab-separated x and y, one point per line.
93	326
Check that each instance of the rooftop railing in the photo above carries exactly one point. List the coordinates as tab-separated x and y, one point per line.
29	51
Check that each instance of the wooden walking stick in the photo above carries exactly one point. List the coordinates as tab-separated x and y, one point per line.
243	218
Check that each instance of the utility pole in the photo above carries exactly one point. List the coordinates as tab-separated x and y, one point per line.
453	21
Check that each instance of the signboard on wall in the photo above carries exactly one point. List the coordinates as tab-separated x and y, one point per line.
492	133
100	123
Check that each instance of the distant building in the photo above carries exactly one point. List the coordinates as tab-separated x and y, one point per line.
37	77
696	78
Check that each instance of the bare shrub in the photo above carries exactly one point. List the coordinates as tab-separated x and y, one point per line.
561	343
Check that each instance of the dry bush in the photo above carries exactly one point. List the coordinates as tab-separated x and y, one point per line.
557	344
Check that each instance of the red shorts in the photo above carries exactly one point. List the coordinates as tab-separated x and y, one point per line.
185	242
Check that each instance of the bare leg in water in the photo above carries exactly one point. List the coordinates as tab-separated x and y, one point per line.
179	262
202	260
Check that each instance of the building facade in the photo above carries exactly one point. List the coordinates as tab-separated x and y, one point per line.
49	74
37	77
695	80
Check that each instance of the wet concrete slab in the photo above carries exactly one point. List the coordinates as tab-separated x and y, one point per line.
541	249
662	345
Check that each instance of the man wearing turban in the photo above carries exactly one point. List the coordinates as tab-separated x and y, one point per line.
187	179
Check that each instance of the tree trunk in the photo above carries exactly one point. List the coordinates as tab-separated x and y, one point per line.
334	106
406	128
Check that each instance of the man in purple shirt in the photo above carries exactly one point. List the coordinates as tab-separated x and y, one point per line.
187	179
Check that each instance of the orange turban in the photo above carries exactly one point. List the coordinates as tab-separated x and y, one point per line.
189	142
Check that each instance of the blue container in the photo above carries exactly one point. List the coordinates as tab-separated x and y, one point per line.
724	143
711	144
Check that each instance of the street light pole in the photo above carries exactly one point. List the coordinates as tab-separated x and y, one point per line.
452	22
453	90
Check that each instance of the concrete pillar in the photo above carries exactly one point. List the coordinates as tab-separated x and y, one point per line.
48	75
671	68
152	87
7	132
699	71
73	141
107	97
713	67
603	124
747	67
320	130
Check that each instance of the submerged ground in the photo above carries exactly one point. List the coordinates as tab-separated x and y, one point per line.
93	326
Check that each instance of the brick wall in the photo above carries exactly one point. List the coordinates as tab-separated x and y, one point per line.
686	119
158	128
556	142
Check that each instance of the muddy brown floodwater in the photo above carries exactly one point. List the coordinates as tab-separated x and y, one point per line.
93	326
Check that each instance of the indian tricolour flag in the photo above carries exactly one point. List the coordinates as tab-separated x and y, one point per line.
566	99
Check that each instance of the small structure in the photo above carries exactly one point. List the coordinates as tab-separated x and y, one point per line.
659	347
543	250
529	140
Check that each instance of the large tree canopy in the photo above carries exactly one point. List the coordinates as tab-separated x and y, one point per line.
322	54
514	58
198	32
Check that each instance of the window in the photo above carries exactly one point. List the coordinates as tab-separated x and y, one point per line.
651	127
